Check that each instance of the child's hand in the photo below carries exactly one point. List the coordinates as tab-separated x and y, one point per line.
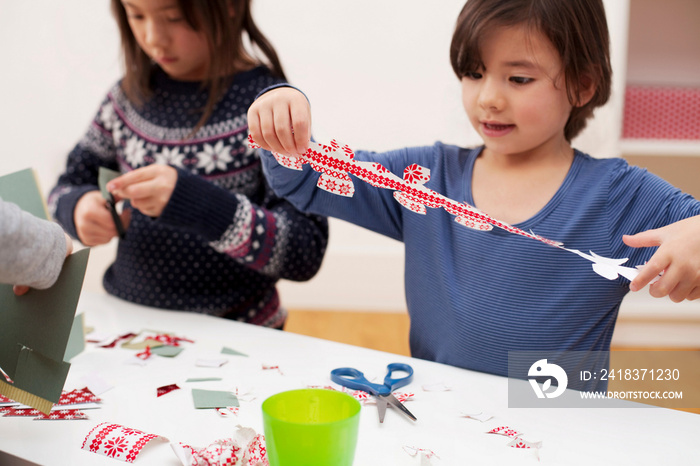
280	121
149	188
19	290
678	257
93	222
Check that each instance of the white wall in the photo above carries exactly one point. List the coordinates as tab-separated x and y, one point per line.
377	73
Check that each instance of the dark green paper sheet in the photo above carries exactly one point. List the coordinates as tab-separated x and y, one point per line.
35	327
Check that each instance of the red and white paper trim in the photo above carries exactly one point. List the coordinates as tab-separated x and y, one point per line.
517	441
336	163
245	448
116	441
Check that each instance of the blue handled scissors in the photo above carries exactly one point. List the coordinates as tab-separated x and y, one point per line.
352	378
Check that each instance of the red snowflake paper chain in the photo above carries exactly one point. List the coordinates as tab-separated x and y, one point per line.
335	163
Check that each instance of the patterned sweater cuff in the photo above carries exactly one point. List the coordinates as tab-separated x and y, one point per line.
199	206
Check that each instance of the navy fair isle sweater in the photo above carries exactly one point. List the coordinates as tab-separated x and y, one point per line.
224	239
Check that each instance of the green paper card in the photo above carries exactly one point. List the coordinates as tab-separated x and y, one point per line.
210	399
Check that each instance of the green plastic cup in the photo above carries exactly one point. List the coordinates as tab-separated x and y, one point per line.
311	427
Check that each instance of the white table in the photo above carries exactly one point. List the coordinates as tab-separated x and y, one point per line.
570	436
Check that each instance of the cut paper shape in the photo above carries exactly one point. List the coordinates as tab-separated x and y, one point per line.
167	351
98	337
142	340
96	384
364	397
228	412
481	417
203	379
114	342
62	415
78	396
227	350
246	447
165	389
145	354
437	387
74	399
335	163
210	361
171	340
272	367
211	399
116	441
426	456
104	176
517	441
16	412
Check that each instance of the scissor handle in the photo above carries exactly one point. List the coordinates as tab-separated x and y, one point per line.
352	378
401	381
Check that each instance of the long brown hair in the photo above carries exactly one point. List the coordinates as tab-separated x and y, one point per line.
577	29
225	36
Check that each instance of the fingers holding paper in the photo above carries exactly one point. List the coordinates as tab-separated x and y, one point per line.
149	188
280	121
677	259
93	221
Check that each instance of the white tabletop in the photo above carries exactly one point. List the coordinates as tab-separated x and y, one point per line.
569	436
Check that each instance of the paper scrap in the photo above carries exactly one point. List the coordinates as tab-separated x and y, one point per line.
246	447
167	351
227	350
96	384
228	412
62	415
481	417
426	455
116	441
203	379
165	389
437	387
517	441
210	361
210	399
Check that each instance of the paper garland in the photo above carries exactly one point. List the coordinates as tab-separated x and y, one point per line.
335	163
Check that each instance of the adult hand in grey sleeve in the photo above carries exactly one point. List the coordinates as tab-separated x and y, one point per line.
32	250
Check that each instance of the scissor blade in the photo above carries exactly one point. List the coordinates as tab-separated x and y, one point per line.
381	408
397	404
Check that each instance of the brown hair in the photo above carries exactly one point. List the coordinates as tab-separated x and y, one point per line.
224	33
576	28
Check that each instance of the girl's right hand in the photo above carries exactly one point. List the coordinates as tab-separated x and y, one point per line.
280	121
93	222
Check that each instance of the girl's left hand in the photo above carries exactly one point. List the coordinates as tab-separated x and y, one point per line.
148	188
678	257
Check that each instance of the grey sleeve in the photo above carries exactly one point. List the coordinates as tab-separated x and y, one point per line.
32	250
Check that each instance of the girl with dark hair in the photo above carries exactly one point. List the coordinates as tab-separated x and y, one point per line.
532	72
205	233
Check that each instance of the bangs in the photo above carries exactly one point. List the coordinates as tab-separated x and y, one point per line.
475	21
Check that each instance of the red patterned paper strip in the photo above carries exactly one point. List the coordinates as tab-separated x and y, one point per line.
62	414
